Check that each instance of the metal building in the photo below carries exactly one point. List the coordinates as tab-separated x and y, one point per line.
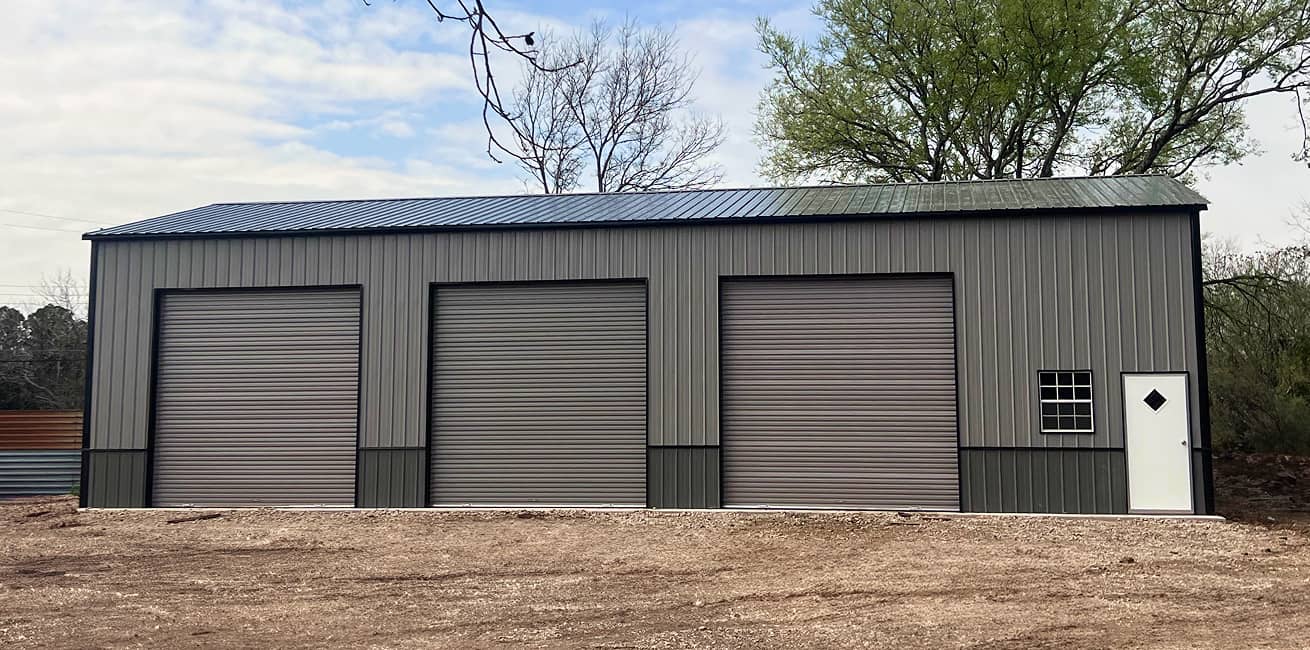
1012	345
39	452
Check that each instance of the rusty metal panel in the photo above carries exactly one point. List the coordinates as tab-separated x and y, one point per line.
40	430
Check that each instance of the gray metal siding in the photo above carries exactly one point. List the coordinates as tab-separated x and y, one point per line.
115	478
1107	293
256	398
29	472
1083	481
539	394
839	392
392	478
682	477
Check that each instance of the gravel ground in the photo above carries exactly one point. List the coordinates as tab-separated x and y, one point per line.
262	578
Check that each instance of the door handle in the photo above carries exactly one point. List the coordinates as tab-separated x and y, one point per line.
1184	443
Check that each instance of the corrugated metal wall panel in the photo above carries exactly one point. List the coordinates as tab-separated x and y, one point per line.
1082	481
682	477
46	430
839	392
539	394
28	472
257	395
392	478
1013	321
116	478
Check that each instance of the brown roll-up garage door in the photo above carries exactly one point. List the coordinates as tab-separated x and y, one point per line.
539	394
839	393
257	398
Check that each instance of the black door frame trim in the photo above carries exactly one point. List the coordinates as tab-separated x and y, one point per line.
155	321
431	320
955	349
1191	449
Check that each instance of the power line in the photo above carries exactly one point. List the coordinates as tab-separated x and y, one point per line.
51	216
42	350
42	291
20	225
22	286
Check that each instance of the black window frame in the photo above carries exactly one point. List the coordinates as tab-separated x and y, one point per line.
1061	396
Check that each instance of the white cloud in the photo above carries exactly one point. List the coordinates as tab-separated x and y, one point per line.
115	111
731	79
124	109
1252	201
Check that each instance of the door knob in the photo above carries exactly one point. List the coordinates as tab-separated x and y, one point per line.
1184	443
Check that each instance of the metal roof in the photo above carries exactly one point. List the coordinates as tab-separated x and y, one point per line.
769	203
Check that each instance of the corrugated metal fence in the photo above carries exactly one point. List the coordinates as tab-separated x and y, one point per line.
40	452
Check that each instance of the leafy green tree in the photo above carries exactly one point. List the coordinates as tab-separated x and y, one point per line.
1257	309
13	357
42	358
923	90
56	342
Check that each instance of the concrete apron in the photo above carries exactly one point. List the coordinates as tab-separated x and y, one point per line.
727	512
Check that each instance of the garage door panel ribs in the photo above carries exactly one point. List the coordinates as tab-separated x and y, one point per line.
839	392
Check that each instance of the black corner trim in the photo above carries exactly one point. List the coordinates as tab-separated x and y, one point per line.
430	317
88	366
1202	365
157	302
359	392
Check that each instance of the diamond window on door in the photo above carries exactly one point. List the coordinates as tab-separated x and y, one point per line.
1065	401
1155	400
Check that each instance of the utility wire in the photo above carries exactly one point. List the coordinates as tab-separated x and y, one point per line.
51	216
22	286
19	225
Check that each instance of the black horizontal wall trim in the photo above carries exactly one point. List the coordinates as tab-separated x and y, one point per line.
1021	213
831	276
262	287
1042	448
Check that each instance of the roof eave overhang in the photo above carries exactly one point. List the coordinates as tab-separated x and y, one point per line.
818	218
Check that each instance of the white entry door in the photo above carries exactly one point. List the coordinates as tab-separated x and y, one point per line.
1156	437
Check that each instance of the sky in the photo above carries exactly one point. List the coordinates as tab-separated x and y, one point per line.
115	111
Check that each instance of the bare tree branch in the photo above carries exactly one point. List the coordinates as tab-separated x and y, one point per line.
63	290
622	113
486	38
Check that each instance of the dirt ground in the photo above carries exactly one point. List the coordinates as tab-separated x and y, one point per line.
262	578
1264	488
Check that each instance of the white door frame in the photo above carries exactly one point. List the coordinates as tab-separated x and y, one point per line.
1191	444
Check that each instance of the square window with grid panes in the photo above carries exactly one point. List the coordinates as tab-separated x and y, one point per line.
1066	401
